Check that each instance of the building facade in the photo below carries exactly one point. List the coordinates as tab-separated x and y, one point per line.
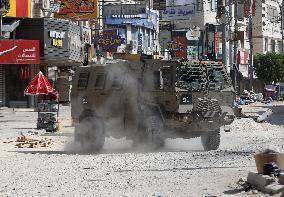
267	36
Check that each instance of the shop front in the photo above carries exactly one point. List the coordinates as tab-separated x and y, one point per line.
19	60
60	46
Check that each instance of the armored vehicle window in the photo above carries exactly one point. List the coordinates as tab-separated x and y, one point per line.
167	78
157	80
83	80
100	81
116	83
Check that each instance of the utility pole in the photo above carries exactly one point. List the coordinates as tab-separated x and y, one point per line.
230	41
251	47
282	26
235	63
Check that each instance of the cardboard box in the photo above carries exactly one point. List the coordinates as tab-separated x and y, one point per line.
261	159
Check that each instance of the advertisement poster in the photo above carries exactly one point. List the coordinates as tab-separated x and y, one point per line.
182	52
124	9
79	9
110	40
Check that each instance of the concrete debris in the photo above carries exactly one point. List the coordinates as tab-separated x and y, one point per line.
273	188
259	180
264	116
265	183
25	142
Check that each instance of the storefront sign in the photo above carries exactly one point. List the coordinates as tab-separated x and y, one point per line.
178	12
25	52
109	40
148	20
180	2
56	38
78	9
159	4
174	46
124	9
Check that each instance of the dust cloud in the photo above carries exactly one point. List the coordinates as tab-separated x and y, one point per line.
111	119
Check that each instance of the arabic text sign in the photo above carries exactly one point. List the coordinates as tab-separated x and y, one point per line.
26	52
109	40
179	12
83	9
124	9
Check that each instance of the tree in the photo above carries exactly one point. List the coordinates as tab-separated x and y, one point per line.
269	67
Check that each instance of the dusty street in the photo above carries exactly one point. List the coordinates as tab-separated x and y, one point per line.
180	169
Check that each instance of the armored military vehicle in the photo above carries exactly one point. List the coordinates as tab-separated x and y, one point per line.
150	101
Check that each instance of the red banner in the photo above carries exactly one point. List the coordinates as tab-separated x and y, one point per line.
23	52
217	40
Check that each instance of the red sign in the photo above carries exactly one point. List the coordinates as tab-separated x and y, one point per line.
182	43
217	42
23	52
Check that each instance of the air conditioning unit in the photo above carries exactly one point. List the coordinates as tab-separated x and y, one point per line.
45	4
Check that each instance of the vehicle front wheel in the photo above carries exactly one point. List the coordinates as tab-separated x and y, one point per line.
90	133
154	127
211	140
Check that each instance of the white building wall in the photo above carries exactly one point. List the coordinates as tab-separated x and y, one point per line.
267	25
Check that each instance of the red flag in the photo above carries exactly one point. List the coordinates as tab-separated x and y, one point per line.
39	85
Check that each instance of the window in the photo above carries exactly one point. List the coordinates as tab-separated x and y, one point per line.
157	80
272	13
213	5
280	46
167	78
265	44
199	5
273	45
100	81
83	80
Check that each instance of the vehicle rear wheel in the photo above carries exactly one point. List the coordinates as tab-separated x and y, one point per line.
153	128
211	140
90	133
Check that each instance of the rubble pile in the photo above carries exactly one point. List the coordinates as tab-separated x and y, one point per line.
269	177
249	125
24	142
